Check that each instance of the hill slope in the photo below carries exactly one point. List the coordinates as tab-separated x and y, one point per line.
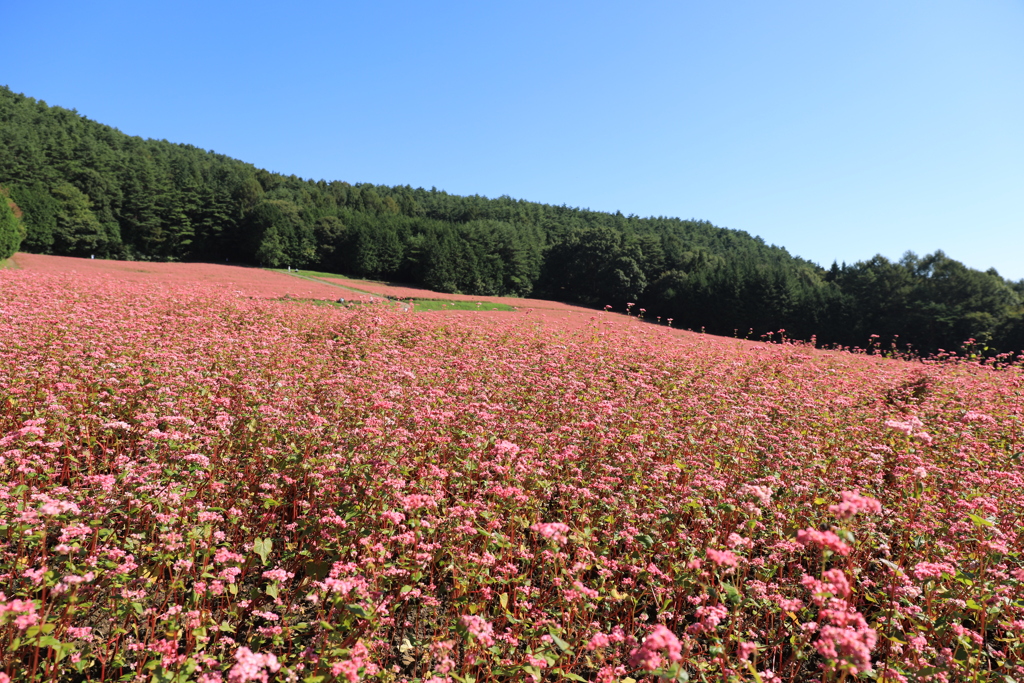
86	188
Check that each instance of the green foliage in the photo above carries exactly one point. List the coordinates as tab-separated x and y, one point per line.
421	305
932	302
78	232
12	232
277	234
40	216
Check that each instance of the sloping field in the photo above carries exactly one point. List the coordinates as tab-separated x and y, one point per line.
243	281
202	481
406	291
561	314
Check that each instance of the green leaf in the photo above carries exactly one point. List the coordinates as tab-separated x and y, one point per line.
405	589
891	565
503	599
272	590
263	547
971	604
962	578
979	521
358	611
731	594
562	645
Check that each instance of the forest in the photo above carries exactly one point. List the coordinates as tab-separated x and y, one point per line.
76	187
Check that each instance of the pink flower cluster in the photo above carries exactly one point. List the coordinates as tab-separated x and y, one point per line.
26	612
845	636
723	558
554	531
825	539
853	503
252	666
600	640
659	645
358	658
278	575
849	639
932	570
708	618
912	426
479	628
744	650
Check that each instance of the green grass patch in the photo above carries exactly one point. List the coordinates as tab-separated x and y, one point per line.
329	303
418	304
315	273
321	277
324	302
307	273
450	305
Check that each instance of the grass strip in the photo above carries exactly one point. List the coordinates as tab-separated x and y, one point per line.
313	276
454	305
419	304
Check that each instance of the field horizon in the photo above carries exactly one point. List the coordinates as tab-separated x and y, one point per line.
77	187
325	286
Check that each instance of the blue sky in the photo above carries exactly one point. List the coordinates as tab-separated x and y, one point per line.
835	129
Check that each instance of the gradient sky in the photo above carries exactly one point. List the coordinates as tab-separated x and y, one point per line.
835	129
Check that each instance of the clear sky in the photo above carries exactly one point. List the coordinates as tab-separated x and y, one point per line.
835	129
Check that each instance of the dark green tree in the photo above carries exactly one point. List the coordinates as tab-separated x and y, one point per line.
77	232
275	234
40	216
12	232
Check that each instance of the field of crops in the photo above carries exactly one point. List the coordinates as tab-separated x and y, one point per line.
203	481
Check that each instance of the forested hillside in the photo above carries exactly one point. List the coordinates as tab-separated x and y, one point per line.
88	189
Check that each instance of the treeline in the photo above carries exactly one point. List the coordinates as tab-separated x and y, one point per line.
87	189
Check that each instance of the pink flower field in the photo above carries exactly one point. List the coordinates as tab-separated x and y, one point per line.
203	481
